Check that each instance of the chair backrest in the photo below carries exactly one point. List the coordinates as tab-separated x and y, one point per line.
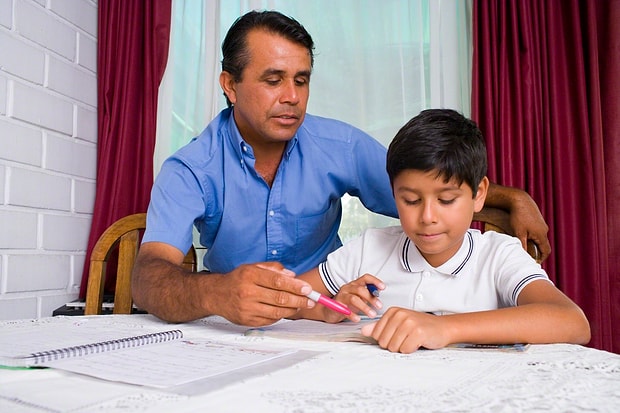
126	234
495	219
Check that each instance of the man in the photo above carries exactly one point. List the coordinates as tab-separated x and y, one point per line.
262	184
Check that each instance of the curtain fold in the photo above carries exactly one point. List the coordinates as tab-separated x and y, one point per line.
608	16
132	51
545	94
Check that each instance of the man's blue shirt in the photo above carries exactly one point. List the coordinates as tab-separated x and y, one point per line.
211	183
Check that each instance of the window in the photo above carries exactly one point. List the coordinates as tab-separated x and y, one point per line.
377	64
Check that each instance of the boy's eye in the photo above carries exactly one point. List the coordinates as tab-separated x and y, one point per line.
411	201
447	201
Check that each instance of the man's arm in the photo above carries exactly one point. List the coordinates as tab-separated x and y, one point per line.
525	217
252	295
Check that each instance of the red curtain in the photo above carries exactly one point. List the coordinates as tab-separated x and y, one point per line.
131	57
546	94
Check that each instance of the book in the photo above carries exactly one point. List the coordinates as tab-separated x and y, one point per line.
134	350
49	355
517	348
42	343
347	331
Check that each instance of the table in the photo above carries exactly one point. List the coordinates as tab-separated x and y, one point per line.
344	377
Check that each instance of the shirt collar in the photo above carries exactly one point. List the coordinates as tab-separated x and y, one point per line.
413	261
241	147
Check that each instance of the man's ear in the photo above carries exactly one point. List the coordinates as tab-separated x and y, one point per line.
227	82
481	194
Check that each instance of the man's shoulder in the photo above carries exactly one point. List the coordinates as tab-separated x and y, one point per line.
203	147
331	129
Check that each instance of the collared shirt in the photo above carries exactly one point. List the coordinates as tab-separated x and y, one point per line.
212	183
487	272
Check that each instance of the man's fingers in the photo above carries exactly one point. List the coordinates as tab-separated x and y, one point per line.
544	247
283	279
276	267
543	244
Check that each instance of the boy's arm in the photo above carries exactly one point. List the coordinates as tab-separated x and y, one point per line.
543	315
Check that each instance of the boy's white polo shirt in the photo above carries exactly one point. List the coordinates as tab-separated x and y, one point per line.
488	272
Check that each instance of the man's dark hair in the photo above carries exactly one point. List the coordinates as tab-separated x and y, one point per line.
234	47
440	140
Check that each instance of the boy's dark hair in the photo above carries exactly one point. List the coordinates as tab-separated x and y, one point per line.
441	140
234	47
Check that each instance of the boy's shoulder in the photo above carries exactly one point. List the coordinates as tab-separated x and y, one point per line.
493	237
499	245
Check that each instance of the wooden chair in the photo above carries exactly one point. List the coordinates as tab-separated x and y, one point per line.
495	219
125	234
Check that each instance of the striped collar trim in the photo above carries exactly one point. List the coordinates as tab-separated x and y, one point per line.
413	261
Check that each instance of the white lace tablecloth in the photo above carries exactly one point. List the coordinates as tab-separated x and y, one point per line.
347	377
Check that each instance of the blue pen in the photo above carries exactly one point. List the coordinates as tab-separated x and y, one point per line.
373	289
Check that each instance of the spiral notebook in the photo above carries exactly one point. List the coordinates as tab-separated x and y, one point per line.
137	350
24	347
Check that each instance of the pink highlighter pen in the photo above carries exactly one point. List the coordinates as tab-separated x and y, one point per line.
329	303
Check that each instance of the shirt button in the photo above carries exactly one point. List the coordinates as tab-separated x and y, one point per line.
419	297
271	213
274	252
426	274
245	148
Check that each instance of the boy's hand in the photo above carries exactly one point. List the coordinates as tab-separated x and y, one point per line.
358	298
405	331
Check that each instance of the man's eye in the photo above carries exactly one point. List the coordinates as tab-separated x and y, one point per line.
301	81
272	81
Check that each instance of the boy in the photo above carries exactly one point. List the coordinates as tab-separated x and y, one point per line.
442	282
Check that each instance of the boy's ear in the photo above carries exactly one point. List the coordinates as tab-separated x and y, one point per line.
481	194
227	82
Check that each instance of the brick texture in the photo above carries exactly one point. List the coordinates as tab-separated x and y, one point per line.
48	154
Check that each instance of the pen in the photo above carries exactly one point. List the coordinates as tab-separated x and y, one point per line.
373	289
329	303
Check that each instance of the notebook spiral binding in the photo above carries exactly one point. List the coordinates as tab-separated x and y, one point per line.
104	346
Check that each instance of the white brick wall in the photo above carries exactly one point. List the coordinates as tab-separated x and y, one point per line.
48	136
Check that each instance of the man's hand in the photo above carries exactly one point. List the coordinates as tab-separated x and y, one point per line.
252	294
525	217
528	223
258	294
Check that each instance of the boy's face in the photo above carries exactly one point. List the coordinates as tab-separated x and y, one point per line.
435	214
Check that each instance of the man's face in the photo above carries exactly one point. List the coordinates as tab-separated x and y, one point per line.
270	101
